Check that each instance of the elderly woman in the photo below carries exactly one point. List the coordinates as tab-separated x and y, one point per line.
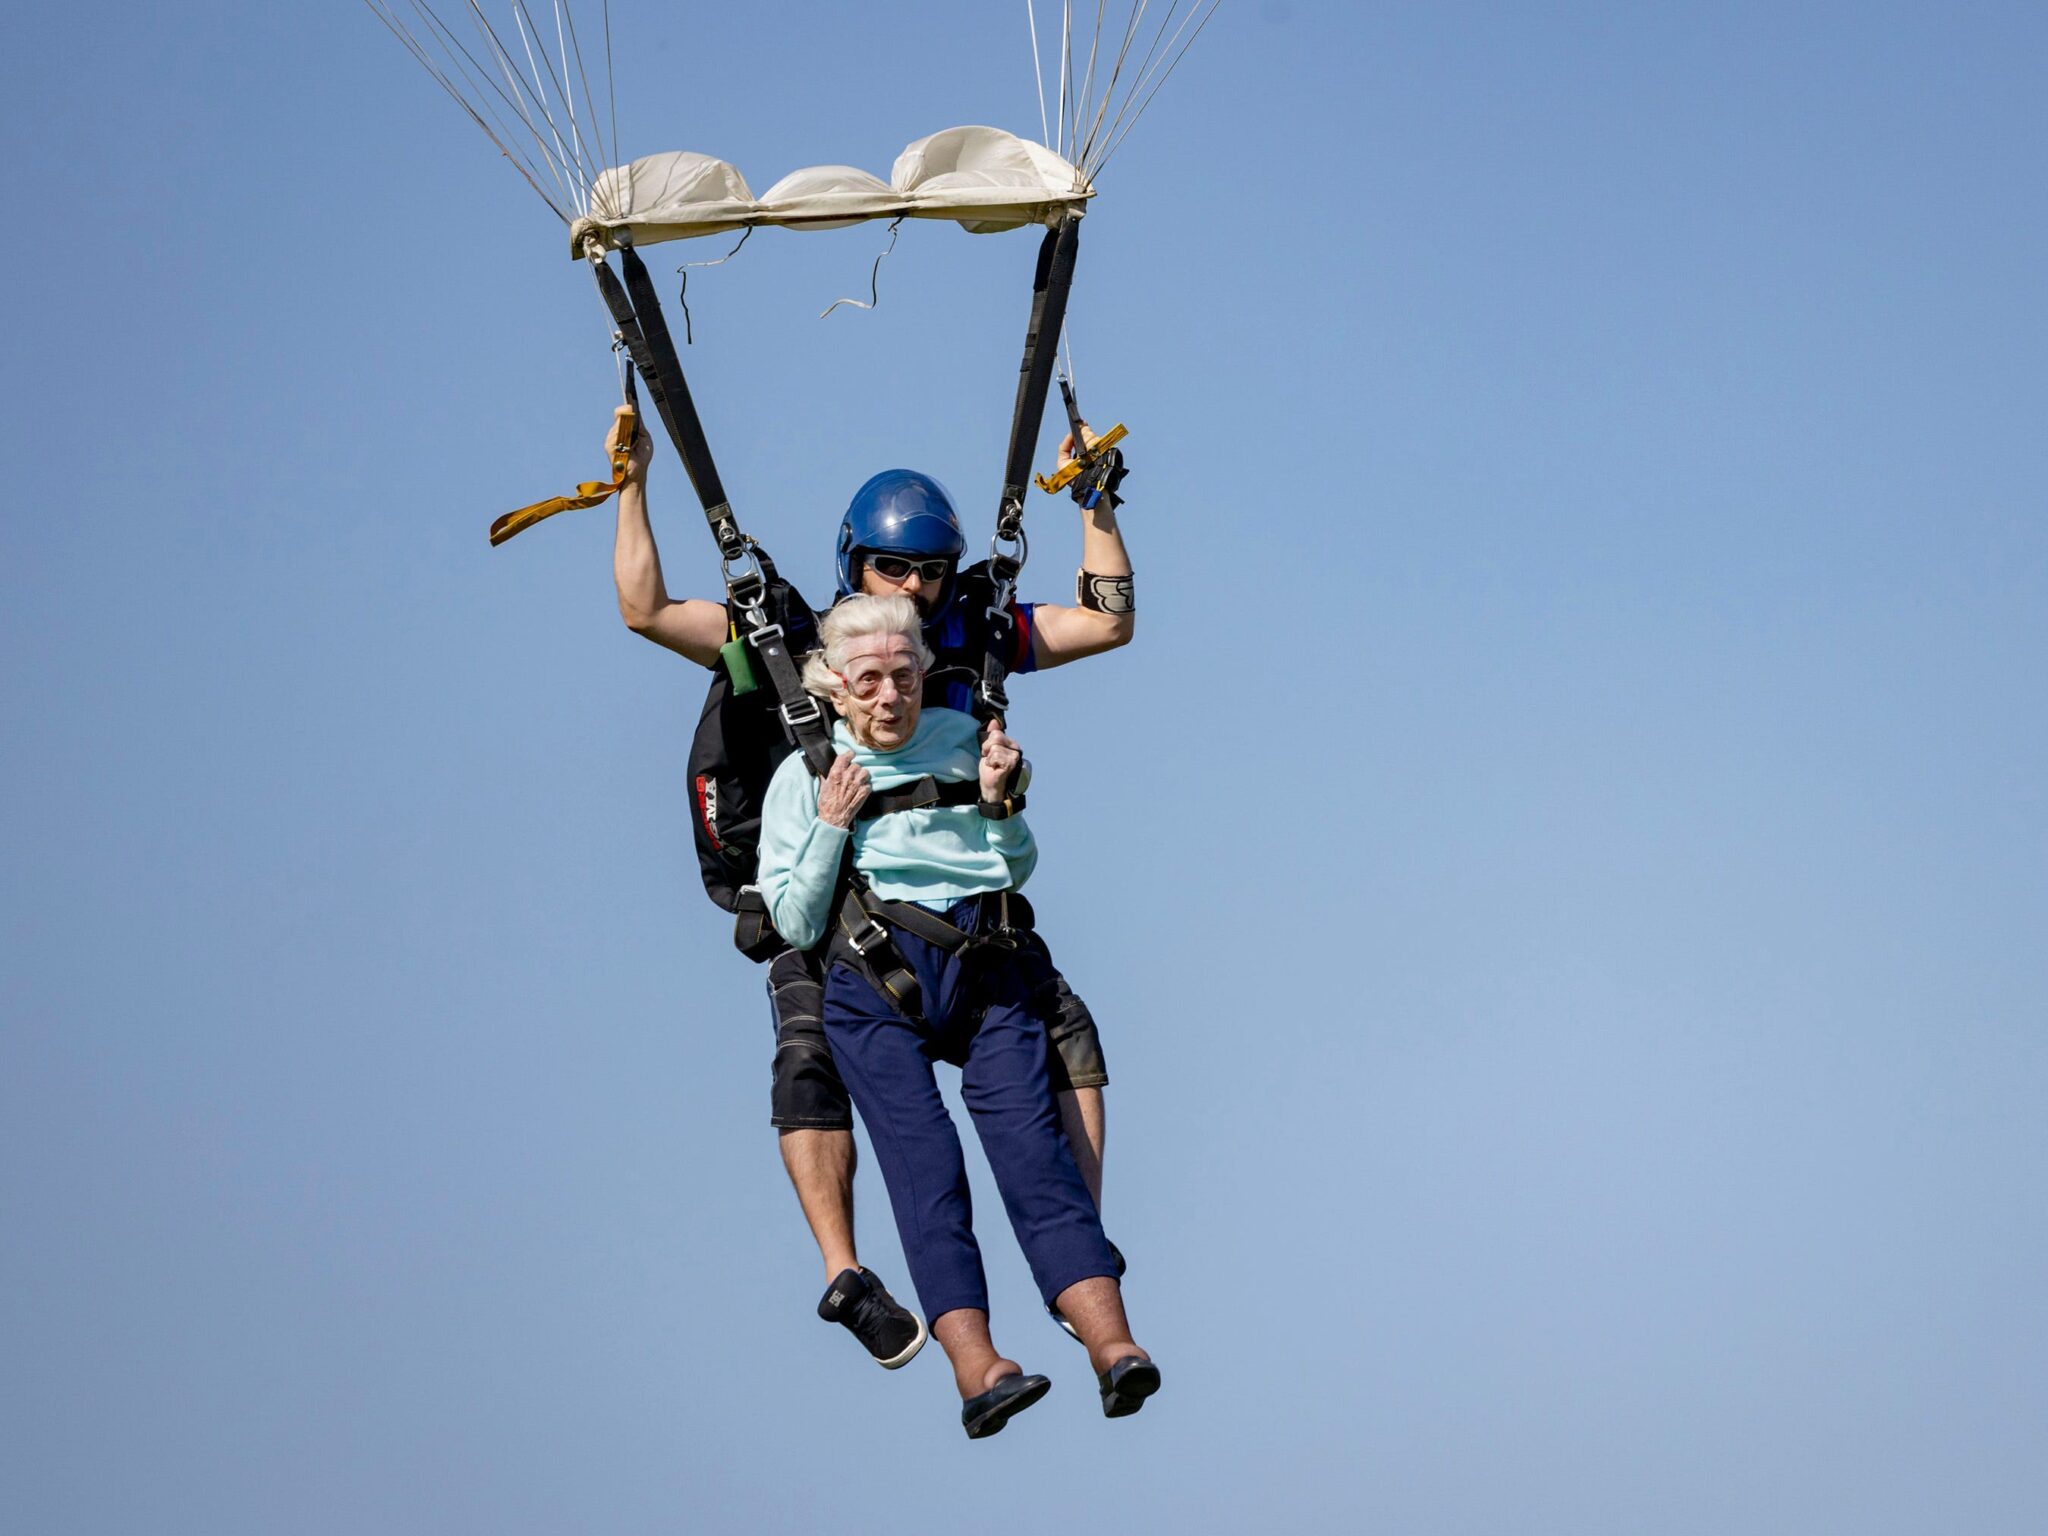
922	968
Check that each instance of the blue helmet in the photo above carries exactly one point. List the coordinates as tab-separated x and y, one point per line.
898	512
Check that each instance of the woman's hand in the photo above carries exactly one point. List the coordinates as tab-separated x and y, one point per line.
999	759
1067	446
845	790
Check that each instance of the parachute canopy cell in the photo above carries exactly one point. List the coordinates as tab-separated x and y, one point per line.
983	179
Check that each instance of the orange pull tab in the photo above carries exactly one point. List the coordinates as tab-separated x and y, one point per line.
589	493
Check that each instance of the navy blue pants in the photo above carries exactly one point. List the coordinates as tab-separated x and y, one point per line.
988	1015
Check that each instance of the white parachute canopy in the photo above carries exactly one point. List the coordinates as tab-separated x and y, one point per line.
983	179
526	80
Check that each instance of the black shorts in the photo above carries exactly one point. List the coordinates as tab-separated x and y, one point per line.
805	1093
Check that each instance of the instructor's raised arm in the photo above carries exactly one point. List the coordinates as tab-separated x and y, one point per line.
1103	617
694	627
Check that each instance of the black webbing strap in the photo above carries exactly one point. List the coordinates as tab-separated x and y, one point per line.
801	716
683	425
636	312
1050	284
991	699
665	384
920	794
873	951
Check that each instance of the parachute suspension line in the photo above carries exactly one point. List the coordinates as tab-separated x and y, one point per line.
1076	103
624	360
521	94
586	143
578	174
541	125
568	105
1087	91
607	154
412	45
519	97
1150	51
586	172
1101	96
523	98
1038	74
496	130
874	276
683	292
569	101
1097	162
1066	68
611	84
1123	52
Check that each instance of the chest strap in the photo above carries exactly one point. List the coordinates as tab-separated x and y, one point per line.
918	795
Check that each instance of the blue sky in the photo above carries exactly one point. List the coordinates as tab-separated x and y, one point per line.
1562	872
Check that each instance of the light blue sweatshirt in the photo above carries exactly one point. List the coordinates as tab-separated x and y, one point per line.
933	856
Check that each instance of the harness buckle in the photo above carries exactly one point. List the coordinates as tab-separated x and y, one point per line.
871	934
752	581
733	545
1002	563
803	713
1010	520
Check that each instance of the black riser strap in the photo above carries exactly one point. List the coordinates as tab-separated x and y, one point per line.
636	310
684	425
635	338
1054	277
1049	288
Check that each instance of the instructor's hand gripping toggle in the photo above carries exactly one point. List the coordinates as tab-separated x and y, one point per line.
589	493
1096	468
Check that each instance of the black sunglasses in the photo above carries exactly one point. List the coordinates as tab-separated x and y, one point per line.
896	568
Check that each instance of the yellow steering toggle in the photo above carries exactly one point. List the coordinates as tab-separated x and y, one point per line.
1081	463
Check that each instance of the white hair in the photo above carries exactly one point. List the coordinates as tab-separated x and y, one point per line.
860	618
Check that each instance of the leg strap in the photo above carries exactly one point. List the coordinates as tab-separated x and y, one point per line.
862	938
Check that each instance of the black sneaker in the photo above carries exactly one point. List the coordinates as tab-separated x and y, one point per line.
888	1331
1053	1312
